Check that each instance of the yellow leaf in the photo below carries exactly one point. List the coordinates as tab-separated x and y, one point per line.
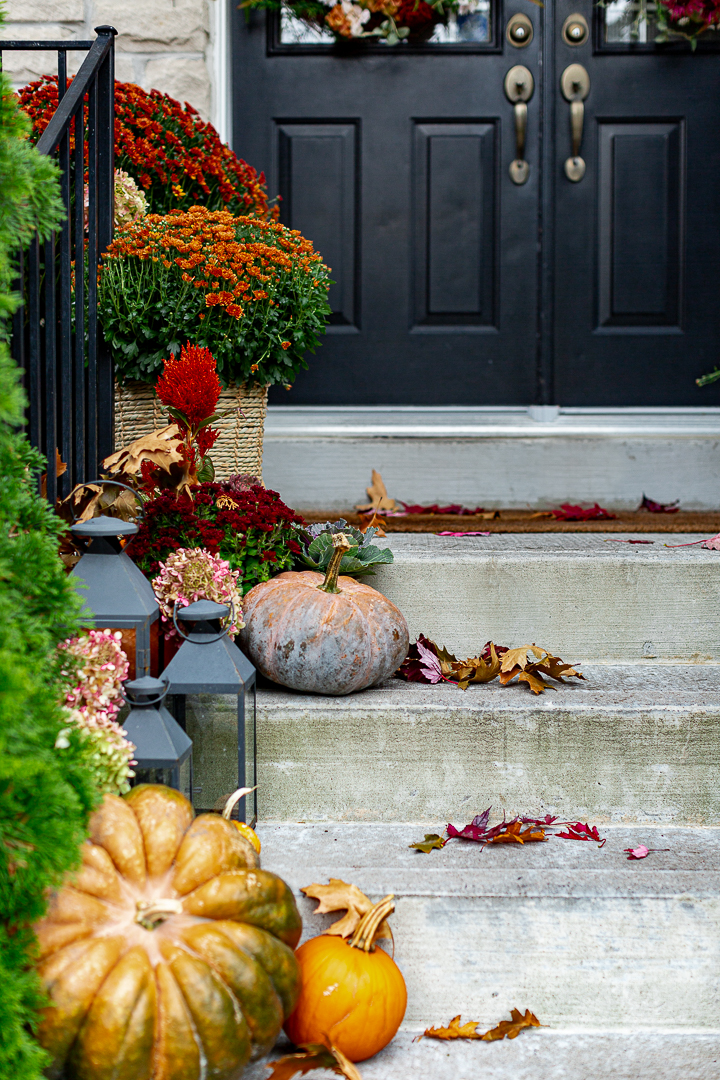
339	896
454	1030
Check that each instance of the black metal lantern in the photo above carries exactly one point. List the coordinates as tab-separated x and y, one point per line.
118	595
208	662
161	745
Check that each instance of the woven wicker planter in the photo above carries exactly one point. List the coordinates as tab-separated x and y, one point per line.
240	446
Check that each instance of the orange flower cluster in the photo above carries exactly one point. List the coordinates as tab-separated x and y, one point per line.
208	246
176	157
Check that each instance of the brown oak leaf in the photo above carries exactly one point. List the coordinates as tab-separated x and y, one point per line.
312	1056
339	896
506	1029
378	496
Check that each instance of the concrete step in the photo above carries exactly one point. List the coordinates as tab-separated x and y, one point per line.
585	939
537	1055
583	595
321	457
630	744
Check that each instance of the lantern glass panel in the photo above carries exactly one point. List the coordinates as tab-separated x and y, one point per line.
211	721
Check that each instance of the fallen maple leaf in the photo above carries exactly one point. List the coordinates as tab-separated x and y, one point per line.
312	1056
516	663
568	512
432	842
339	896
373	521
454	508
578	831
612	540
507	832
641	852
378	496
659	508
506	1029
429	663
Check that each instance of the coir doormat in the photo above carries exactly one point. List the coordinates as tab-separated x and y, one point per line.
527	521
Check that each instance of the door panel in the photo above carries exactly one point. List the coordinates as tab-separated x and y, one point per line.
454	212
636	312
641	211
444	305
316	169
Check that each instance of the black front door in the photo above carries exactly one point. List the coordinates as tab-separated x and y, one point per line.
594	282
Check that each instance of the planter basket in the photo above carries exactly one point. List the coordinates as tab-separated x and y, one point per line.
240	446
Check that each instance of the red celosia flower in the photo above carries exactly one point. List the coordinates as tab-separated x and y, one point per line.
190	384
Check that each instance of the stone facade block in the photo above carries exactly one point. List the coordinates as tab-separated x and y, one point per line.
185	80
160	25
46	11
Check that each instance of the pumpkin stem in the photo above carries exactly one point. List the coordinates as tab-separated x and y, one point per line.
235	797
367	928
341	544
150	913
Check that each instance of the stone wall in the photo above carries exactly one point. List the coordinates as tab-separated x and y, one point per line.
162	44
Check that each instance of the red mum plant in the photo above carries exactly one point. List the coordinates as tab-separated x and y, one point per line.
175	157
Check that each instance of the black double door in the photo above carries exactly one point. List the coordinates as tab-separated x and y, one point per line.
594	281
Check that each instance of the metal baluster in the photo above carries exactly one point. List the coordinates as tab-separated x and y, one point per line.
65	409
92	258
106	214
81	469
50	388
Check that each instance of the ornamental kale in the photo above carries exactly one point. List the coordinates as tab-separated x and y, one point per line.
317	548
251	529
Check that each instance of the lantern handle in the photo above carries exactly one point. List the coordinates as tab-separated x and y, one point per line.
208	641
117	483
150	701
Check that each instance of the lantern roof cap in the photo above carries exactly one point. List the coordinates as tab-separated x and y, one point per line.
202	610
140	690
104	526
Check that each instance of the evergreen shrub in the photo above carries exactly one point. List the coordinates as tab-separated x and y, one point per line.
45	793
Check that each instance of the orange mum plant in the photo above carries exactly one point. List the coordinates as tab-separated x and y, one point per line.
253	292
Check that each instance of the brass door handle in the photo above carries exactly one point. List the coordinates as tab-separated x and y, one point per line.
519	86
575	85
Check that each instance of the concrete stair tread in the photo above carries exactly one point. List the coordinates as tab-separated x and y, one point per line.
378	859
536	1055
667	687
431	547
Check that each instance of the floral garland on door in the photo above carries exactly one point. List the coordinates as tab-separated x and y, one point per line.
391	20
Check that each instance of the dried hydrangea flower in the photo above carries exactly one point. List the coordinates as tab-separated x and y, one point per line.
191	574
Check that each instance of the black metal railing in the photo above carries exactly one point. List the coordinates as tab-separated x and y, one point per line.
68	371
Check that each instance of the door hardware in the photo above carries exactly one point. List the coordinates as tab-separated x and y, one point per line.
519	31
575	85
575	30
519	86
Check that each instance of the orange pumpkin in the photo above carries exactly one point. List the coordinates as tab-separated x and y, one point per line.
330	635
352	994
168	956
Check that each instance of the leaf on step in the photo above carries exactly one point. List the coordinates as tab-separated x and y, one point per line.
507	832
378	496
312	1056
510	1029
568	512
612	540
517	663
371	520
453	508
339	896
713	544
478	669
659	508
431	842
506	1029
641	852
415	666
577	831
463	534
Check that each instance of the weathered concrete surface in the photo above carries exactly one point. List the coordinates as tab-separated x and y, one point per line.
578	934
584	598
538	1055
630	744
321	457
